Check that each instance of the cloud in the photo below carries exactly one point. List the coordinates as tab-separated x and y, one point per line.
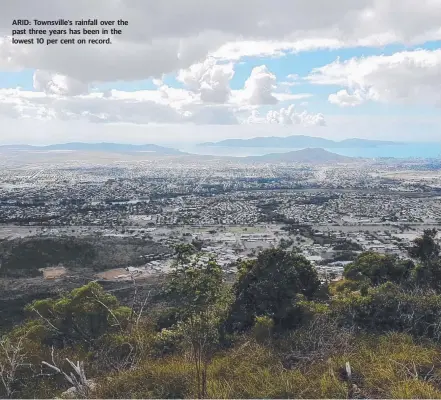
288	116
259	87
408	77
53	83
237	50
291	96
94	107
169	35
344	99
210	80
163	106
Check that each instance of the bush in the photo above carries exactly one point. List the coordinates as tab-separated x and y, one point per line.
375	269
270	286
169	378
390	308
263	328
344	286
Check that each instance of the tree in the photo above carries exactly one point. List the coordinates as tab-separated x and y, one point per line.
82	316
285	243
269	286
375	269
427	253
198	244
424	248
196	285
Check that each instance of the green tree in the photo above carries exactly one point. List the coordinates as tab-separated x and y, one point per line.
375	269
82	316
196	286
269	286
425	249
285	243
427	253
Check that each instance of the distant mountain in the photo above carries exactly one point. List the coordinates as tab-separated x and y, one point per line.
97	147
306	156
298	141
347	143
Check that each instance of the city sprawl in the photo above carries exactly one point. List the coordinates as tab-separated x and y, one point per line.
230	208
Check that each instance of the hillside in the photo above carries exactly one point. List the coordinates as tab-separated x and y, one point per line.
278	332
24	257
308	156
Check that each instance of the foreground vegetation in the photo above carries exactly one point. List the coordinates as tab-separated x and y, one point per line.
278	332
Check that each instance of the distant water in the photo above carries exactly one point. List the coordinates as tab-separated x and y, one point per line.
408	150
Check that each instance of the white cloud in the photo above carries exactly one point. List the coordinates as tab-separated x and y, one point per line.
344	99
287	116
209	79
53	83
282	97
94	107
259	87
163	106
239	49
157	82
209	82
411	77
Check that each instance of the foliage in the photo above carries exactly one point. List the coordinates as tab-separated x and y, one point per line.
348	245
391	308
377	268
262	329
196	282
82	316
286	243
269	286
164	379
427	253
381	318
344	286
425	248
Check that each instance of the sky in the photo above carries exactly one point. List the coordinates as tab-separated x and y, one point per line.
186	71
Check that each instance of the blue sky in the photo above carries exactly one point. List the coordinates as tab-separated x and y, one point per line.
376	68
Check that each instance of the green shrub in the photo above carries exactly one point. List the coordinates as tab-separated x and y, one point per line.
263	328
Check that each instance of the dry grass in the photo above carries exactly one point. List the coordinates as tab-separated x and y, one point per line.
389	366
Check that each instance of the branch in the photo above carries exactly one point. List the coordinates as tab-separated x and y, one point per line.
79	383
46	320
109	310
142	308
134	297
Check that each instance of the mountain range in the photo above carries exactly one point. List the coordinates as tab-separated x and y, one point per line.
97	147
299	141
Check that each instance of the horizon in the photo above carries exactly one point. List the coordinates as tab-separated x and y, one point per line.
177	144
